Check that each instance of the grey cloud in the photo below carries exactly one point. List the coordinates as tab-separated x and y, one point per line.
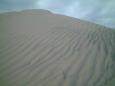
9	5
98	11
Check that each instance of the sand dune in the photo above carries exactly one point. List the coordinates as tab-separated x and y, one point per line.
38	48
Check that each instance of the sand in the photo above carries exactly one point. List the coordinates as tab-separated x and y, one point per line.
39	48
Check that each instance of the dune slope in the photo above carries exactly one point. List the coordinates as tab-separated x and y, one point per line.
38	48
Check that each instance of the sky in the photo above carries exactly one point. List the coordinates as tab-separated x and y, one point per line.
97	11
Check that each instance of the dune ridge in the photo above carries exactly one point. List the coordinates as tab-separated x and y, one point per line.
39	48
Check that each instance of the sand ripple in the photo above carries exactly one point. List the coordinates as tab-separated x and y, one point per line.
53	50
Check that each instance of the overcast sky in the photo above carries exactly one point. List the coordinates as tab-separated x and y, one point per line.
98	11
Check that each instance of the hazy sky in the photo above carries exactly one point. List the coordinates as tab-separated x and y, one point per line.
98	11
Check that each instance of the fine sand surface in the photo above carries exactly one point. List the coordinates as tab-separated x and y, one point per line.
39	48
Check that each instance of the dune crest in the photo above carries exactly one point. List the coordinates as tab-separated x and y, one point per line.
39	48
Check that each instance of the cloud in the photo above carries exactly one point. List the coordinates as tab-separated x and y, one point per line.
17	1
9	5
98	11
54	5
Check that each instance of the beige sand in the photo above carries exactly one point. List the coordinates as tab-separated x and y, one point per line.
38	48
